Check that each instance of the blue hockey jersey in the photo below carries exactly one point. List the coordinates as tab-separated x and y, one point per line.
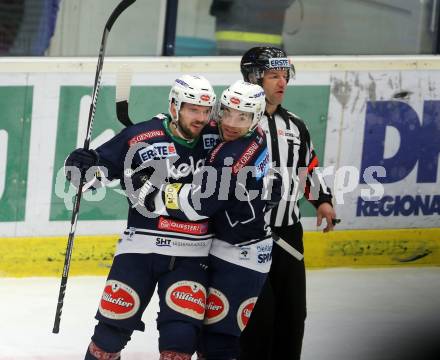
228	190
153	142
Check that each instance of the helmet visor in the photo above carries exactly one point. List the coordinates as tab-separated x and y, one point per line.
235	118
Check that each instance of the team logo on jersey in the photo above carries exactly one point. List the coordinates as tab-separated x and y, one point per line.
158	151
217	307
188	298
262	164
119	301
245	157
244	312
146	136
210	140
245	253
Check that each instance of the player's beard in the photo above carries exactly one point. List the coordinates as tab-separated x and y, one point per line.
186	131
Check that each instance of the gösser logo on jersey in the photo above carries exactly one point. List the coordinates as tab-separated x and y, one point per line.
119	301
187	297
279	62
158	151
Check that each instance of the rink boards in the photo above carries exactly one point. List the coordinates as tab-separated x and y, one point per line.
375	122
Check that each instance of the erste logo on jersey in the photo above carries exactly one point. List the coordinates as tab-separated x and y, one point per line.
119	301
210	140
158	151
244	312
188	298
217	306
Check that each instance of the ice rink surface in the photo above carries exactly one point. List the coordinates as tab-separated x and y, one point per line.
353	314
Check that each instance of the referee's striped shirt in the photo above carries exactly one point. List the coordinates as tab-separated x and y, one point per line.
291	150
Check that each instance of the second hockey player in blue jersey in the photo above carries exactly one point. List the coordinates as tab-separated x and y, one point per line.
230	190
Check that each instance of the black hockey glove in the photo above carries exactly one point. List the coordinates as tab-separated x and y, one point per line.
81	159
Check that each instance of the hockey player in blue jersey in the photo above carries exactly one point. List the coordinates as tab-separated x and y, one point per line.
162	251
240	255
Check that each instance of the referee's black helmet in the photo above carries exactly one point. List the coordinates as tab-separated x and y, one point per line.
258	59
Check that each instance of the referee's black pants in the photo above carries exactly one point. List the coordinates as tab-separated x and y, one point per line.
276	327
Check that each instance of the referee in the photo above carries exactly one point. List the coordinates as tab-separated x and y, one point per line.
276	327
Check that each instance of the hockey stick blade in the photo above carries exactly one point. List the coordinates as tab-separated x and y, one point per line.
123	87
124	4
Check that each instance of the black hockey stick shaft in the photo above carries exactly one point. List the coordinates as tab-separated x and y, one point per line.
73	221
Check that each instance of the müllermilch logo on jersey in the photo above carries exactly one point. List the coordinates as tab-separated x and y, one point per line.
119	301
244	312
187	297
217	306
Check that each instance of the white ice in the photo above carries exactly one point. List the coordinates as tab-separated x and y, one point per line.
353	314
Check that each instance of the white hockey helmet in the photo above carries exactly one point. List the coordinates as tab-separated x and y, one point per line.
247	97
191	89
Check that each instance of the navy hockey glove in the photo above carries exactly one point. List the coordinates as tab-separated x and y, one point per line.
81	159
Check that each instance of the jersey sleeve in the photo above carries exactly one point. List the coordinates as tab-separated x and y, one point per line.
112	154
316	191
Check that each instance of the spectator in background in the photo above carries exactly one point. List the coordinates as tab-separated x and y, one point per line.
27	26
11	16
241	24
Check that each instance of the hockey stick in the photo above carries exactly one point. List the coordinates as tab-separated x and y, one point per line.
123	86
124	4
